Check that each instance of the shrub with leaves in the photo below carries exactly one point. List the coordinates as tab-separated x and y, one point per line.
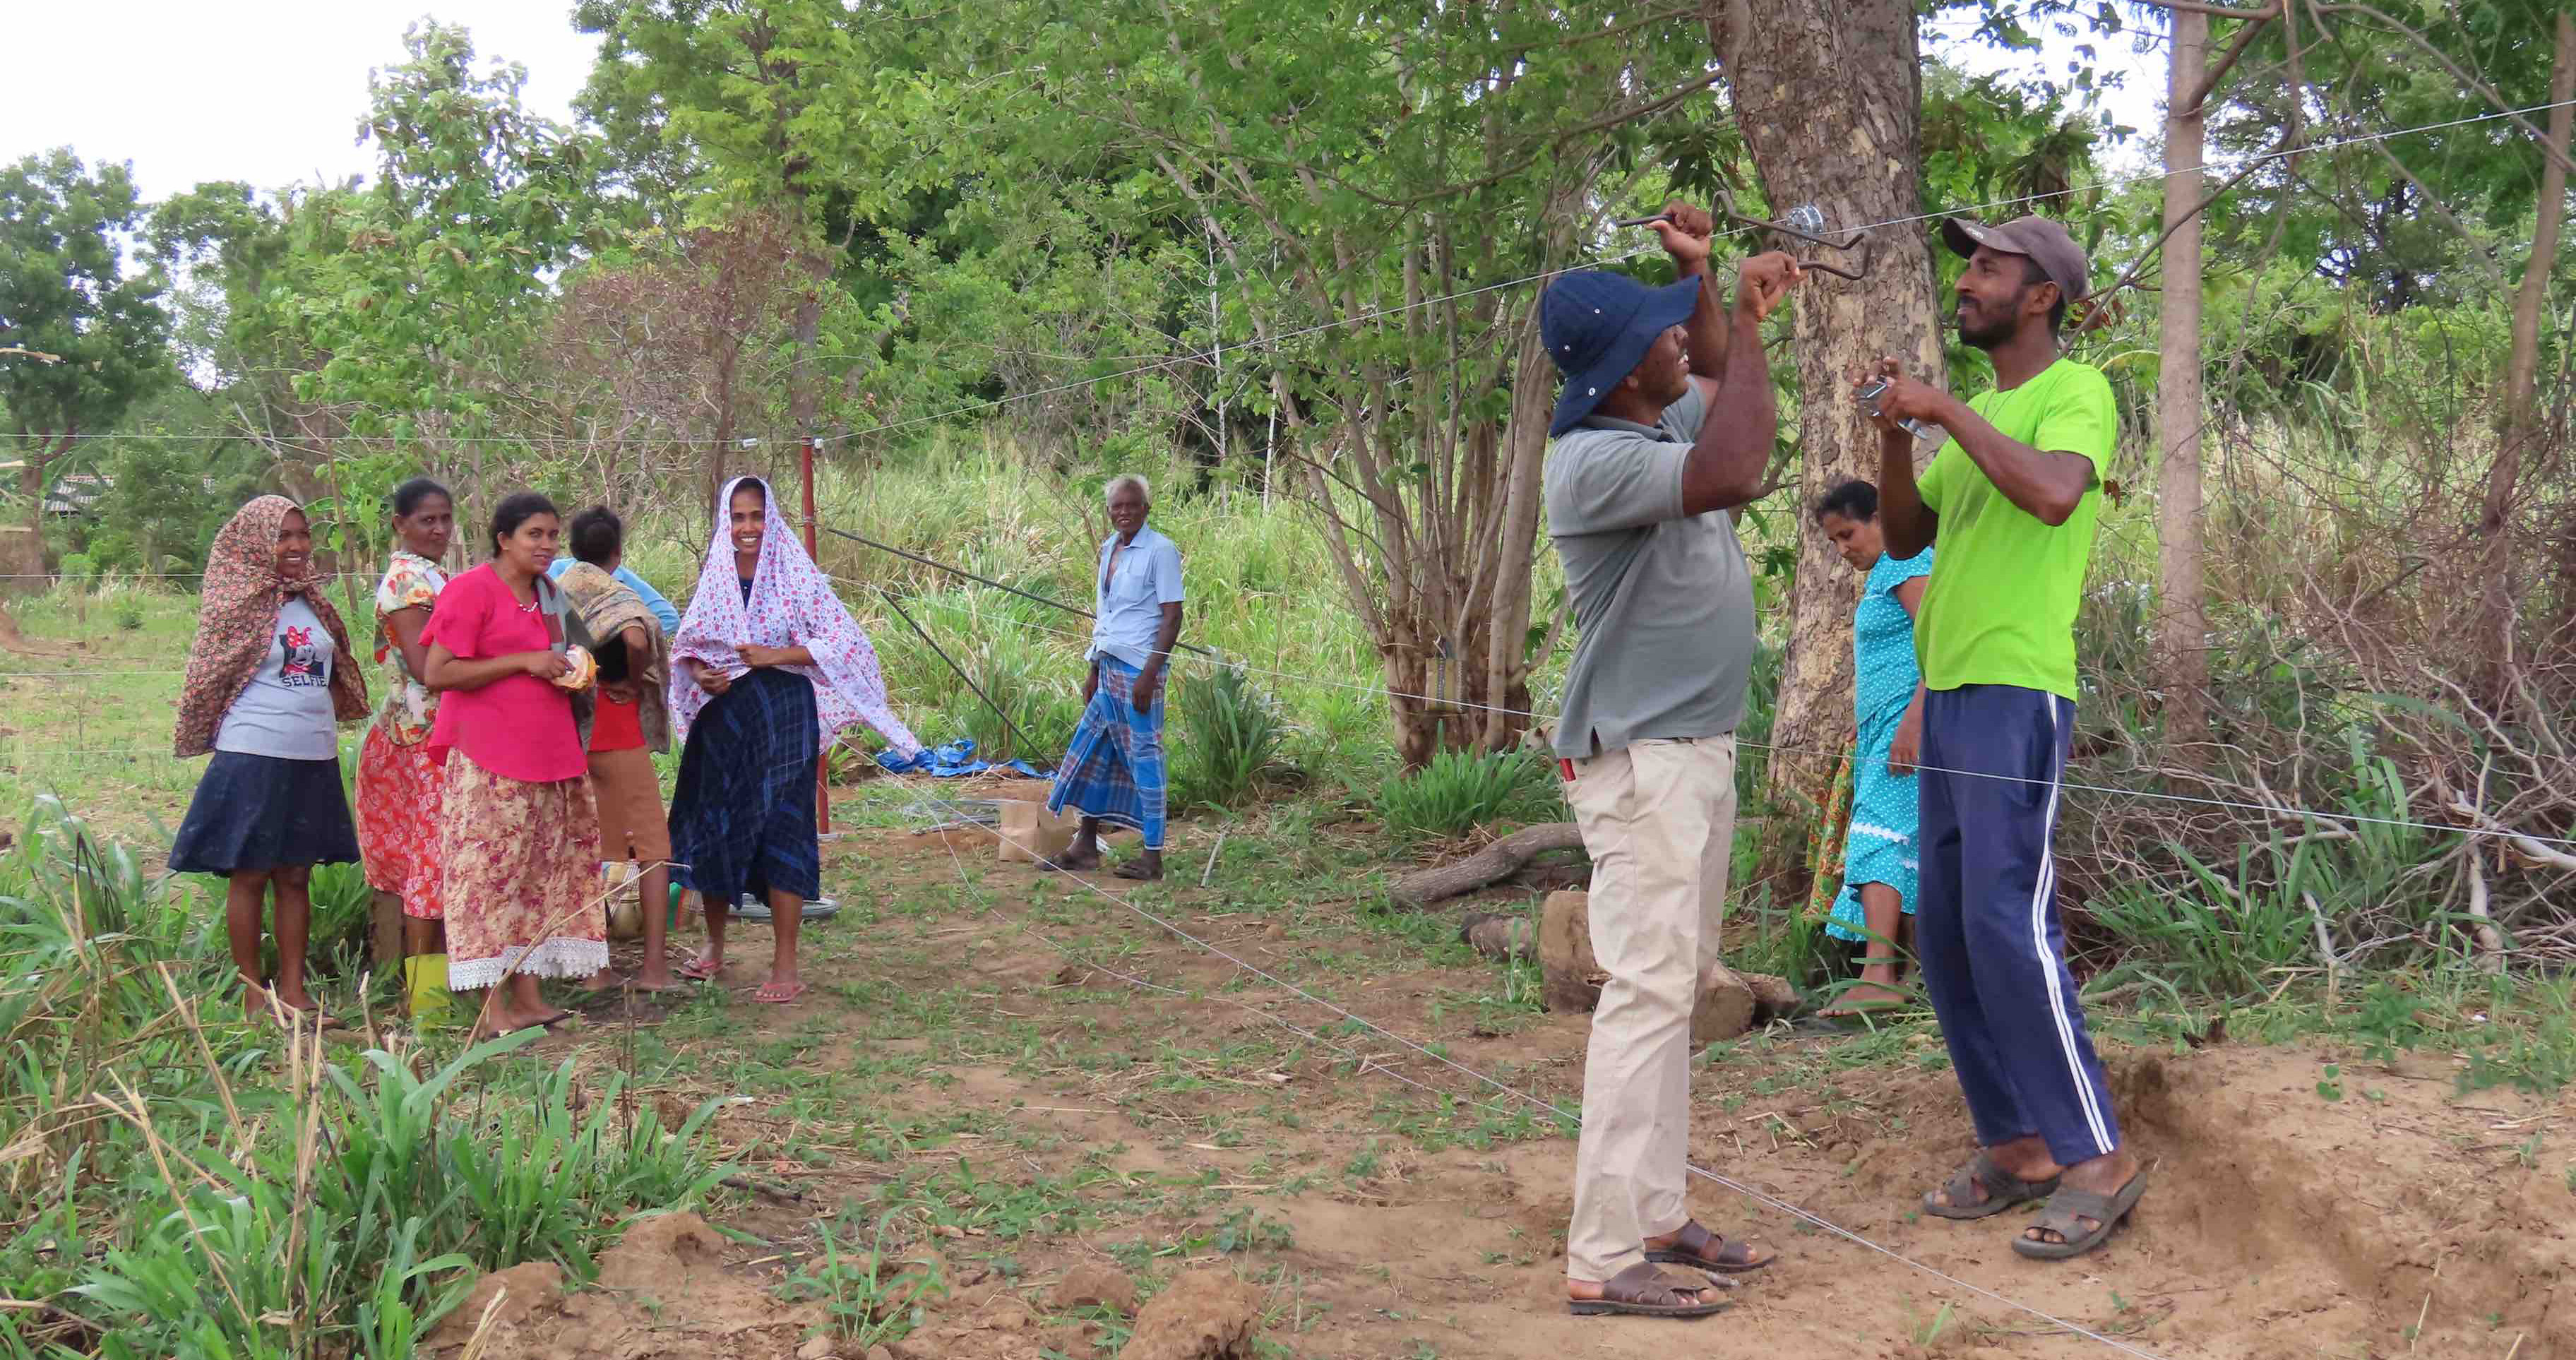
1231	732
1459	790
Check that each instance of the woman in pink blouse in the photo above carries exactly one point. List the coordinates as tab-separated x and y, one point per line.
518	833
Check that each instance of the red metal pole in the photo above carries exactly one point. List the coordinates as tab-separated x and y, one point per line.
823	758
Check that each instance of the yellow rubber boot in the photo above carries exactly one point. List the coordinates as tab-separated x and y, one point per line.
425	977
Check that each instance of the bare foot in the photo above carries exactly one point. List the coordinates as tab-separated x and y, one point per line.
1073	861
1864	996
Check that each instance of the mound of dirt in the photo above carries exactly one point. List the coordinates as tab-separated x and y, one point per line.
1205	1315
1096	1287
664	1294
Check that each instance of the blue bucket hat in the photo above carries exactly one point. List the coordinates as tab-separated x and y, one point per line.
1597	326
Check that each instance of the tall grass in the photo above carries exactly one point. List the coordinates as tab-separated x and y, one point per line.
179	1183
1459	790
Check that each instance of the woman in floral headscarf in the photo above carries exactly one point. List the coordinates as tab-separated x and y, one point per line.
270	676
767	667
399	782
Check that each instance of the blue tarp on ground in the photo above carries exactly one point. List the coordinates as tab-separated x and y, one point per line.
952	761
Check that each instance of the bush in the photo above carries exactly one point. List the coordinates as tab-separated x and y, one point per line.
1231	733
1459	790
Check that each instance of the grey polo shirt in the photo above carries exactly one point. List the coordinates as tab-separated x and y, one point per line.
1663	600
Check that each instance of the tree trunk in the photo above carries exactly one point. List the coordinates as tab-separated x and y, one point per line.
1499	860
1828	94
2522	369
804	381
31	484
2182	623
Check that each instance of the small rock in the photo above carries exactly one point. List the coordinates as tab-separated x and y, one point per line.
816	1348
879	1353
1096	1287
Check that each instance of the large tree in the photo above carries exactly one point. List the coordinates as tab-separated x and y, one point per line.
1828	95
98	333
1381	191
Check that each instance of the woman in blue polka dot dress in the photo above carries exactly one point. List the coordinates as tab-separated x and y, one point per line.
1887	702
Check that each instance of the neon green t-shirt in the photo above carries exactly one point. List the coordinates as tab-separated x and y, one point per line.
2001	606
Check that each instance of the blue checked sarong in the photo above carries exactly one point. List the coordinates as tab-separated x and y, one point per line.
742	815
1113	770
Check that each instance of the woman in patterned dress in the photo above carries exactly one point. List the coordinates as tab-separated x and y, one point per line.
517	829
399	784
1880	858
768	666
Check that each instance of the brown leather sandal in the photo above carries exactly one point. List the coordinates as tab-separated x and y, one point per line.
1641	1291
1700	1249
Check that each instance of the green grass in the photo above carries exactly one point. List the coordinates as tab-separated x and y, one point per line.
240	1200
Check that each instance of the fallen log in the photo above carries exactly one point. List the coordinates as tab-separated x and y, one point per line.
1495	862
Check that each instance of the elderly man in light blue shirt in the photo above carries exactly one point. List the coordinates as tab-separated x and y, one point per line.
1113	770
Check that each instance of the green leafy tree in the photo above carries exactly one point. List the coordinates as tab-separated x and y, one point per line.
65	292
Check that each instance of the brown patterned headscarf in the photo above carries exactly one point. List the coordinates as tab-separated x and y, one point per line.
237	620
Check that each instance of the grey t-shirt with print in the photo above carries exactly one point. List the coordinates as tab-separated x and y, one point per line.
285	711
1663	600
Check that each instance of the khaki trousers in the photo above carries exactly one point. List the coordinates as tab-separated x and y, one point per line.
1658	819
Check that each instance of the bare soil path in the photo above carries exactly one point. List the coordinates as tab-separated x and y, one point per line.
955	1092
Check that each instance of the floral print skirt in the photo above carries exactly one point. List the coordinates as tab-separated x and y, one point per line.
400	789
522	877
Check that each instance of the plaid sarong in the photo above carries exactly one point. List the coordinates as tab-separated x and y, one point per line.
1113	770
742	815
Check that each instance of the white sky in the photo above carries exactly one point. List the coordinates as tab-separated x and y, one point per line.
269	91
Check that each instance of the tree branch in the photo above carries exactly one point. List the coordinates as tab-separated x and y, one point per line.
2467	78
2227	61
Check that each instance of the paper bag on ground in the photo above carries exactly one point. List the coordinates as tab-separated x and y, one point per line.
1031	833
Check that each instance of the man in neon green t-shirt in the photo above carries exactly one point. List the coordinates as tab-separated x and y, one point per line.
2012	497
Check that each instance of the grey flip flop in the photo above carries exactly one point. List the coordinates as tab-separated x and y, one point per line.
2069	1205
2003	1190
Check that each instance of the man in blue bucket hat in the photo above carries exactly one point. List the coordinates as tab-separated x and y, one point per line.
1666	424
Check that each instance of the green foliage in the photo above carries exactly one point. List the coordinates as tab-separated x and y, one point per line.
235	1202
866	1303
1459	790
1231	732
66	291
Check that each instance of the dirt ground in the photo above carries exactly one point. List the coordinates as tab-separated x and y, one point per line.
1029	1117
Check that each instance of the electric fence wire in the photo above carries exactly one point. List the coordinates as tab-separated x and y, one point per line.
1217	352
2267	813
1569	1119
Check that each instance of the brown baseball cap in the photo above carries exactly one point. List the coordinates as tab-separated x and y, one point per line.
2040	238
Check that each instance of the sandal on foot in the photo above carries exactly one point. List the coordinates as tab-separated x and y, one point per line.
1640	1291
700	970
1136	872
777	994
1700	1249
2064	1214
2003	1190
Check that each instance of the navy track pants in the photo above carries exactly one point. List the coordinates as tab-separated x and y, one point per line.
1987	931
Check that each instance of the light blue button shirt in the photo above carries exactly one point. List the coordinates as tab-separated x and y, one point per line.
1131	596
652	598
